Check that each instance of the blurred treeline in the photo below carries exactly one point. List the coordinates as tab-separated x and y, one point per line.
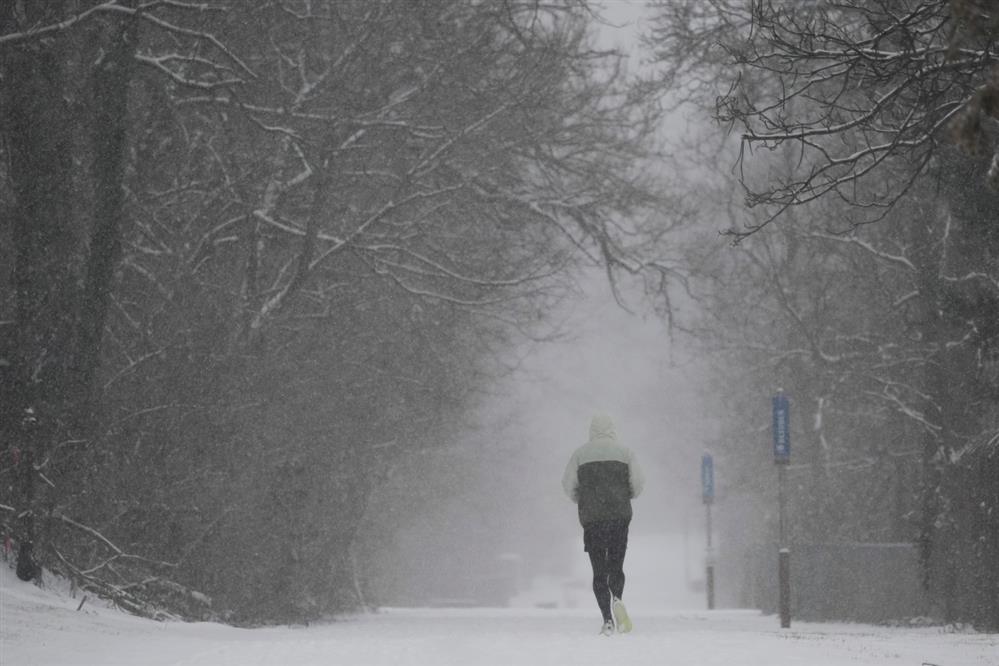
257	255
864	278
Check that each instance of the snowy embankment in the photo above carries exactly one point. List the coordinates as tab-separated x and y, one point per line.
42	627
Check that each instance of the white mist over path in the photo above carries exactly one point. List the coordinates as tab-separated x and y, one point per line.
625	365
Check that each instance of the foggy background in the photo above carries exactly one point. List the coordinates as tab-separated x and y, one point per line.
610	356
304	305
611	360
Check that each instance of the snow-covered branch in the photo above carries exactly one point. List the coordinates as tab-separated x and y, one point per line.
886	257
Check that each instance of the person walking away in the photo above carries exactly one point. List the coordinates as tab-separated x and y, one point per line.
602	477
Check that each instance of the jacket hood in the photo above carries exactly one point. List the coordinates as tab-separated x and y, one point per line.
602	428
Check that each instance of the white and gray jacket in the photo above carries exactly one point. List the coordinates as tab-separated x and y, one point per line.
602	476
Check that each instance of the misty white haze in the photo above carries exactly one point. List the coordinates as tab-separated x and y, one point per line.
627	365
310	303
607	356
622	364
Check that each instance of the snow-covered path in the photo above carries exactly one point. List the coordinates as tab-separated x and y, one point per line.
41	628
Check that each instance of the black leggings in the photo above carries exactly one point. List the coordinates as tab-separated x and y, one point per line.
606	544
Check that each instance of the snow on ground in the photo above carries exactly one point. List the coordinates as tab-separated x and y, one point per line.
43	627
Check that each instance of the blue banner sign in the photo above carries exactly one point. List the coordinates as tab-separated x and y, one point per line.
782	429
707	478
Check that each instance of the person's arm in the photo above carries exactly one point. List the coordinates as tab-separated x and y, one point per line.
635	476
570	480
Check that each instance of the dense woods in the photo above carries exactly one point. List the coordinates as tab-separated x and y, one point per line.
255	254
863	279
258	256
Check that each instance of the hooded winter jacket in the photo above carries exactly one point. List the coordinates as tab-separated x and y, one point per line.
602	476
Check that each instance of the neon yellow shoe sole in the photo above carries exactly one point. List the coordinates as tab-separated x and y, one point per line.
621	618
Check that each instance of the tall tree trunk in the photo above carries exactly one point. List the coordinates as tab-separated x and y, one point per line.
36	125
110	89
941	409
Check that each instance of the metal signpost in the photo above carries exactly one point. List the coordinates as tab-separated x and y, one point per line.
782	456
708	495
